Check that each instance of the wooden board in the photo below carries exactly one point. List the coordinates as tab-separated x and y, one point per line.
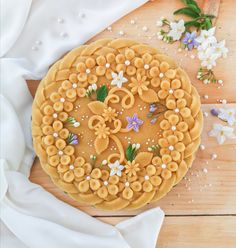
201	210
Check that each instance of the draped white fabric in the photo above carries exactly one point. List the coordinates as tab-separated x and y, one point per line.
34	34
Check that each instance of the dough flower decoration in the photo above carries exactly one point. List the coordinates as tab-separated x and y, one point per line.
134	122
171	146
54	132
118	79
61	102
173	126
139	85
51	115
164	166
170	89
221	132
74	169
178	107
131	168
98	122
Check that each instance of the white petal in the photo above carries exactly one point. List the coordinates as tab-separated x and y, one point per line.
114	75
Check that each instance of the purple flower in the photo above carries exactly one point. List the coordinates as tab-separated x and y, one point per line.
189	40
134	123
153	121
72	139
152	108
214	112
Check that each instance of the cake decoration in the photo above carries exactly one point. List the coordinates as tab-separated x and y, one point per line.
116	124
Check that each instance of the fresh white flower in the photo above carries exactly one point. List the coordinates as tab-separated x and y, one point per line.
207	36
207	56
222	132
220	49
118	79
176	29
227	115
116	168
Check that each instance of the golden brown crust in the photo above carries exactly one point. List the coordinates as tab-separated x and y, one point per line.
152	78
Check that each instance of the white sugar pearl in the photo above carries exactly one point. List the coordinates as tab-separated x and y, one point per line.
161	75
214	156
146	66
74	86
60	153
145	28
62	99
132	21
107	65
127	62
60	20
173	128
171	148
205	170
146	178
121	33
104	162
176	110
163	166
202	147
87	71
126	184
76	124
206	96
220	81
71	167
224	101
171	91
55	135
63	34
105	183
38	42
88	178
54	115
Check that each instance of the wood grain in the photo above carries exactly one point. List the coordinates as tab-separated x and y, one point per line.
194	232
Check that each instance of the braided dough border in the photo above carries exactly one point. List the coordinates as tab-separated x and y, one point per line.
61	70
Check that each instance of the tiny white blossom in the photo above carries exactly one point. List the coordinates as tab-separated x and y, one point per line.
222	132
118	79
94	87
227	115
207	36
116	168
220	49
176	29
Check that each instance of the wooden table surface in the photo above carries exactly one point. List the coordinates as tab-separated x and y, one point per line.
201	209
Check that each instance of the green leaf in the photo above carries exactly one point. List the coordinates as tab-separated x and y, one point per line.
195	8
130	153
187	11
192	23
190	2
102	93
208	23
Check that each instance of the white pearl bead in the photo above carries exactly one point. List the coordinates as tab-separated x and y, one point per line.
173	128
163	166
127	62
146	66
171	148
62	99
74	86
60	153
71	167
176	110
107	65
161	75
87	71
146	178
54	115
171	91
55	135
126	184
76	124
105	183
88	178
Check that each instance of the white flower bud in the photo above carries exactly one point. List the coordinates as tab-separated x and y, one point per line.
76	124
137	146
94	86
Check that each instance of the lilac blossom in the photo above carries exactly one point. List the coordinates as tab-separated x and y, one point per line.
190	40
134	123
152	108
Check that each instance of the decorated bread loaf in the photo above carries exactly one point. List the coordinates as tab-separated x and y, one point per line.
116	124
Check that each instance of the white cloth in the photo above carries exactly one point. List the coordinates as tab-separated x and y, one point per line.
34	34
